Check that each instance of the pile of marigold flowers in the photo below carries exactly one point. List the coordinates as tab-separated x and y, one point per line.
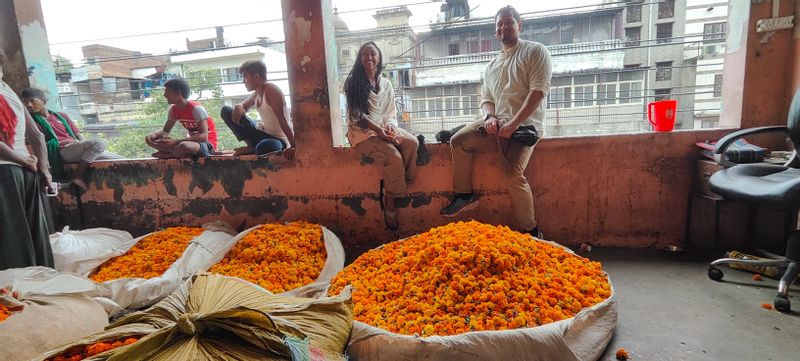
78	353
277	257
470	276
149	258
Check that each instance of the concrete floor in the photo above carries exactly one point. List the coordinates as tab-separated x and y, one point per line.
670	310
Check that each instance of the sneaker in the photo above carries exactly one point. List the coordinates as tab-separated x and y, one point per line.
459	205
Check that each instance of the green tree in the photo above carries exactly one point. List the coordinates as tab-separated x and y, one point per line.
206	88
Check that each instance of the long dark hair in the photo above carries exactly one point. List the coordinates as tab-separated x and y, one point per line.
356	87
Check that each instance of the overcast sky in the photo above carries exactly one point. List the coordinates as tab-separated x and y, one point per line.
92	21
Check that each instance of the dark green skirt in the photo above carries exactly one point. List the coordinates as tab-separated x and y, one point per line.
24	237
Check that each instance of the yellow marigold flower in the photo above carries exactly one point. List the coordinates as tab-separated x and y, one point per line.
149	258
470	276
278	257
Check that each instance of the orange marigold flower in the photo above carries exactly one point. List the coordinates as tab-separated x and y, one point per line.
149	258
470	276
622	354
5	313
81	352
757	277
767	306
278	257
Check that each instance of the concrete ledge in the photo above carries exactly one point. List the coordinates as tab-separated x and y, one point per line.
621	190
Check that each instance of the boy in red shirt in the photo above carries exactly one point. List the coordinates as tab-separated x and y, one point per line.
202	134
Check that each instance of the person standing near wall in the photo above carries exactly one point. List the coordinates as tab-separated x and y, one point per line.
65	143
372	127
24	237
274	133
514	90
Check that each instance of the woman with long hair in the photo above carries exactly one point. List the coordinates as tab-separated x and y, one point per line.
373	129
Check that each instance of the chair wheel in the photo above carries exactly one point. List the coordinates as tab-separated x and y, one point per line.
782	303
714	273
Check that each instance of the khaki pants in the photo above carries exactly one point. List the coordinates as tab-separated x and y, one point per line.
513	159
87	151
399	162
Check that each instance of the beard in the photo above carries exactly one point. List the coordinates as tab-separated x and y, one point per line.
507	38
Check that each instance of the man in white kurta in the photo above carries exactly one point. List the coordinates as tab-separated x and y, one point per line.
515	85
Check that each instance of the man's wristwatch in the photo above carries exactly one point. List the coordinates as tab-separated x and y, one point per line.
487	116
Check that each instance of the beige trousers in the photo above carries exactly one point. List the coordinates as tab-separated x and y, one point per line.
513	159
87	151
399	162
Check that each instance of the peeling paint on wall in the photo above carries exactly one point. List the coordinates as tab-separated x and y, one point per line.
354	203
38	61
169	182
231	175
366	160
303	28
116	177
274	206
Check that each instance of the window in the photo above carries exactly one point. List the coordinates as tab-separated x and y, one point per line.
664	71
109	84
466	106
630	87
715	32
584	87
451	106
662	94
606	94
664	33
231	75
633	13
474	47
346	52
567	34
560	97
666	9
453	49
486	46
583	96
633	35
718	85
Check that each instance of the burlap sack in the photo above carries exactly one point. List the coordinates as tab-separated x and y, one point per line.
213	317
56	308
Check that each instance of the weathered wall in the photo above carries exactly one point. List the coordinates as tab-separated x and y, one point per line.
627	191
24	42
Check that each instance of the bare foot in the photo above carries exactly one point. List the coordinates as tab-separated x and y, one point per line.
243	150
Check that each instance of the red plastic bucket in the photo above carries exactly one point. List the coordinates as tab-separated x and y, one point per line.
661	114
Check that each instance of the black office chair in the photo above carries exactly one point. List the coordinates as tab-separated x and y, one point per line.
764	183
